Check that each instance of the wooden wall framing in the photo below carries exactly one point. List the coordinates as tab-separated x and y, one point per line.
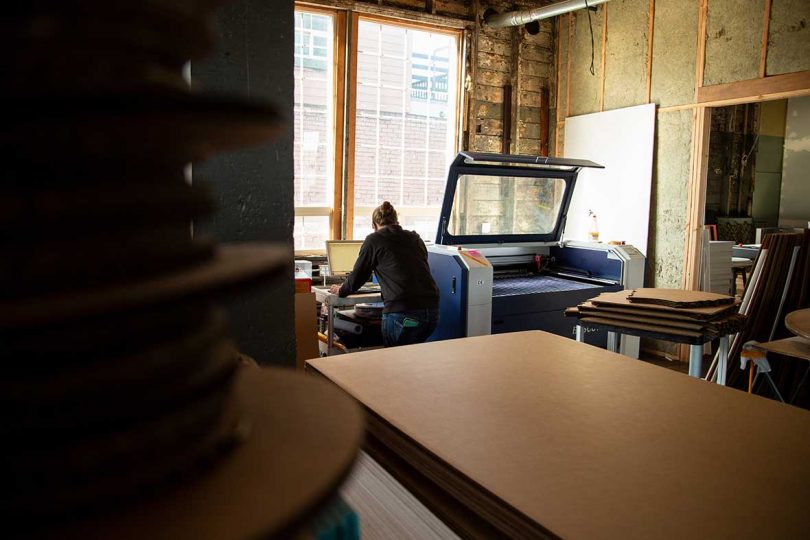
763	88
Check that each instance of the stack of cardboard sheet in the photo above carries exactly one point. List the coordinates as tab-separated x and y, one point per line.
691	315
718	266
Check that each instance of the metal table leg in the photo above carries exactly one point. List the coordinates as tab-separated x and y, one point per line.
613	341
580	333
695	360
330	329
722	361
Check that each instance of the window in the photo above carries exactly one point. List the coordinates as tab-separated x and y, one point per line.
314	119
403	129
499	205
405	125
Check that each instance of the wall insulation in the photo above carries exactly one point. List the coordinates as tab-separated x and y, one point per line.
626	53
669	194
585	86
734	41
789	37
674	50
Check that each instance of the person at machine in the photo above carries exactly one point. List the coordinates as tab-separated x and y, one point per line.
399	258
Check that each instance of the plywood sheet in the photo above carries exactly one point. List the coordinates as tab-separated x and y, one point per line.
674	50
584	91
626	53
789	37
669	199
587	443
734	41
619	194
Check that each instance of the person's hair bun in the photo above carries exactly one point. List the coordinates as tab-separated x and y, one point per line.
385	214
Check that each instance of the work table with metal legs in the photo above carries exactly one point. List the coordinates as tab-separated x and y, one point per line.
695	345
333	302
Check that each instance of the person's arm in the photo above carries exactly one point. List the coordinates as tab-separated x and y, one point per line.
363	267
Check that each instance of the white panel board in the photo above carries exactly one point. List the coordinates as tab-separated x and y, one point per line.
619	194
794	207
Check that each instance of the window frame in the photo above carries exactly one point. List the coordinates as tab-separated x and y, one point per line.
458	34
346	27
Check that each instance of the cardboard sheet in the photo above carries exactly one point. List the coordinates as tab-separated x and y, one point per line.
703	313
583	442
678	298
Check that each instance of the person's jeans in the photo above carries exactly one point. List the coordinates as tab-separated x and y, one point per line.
408	327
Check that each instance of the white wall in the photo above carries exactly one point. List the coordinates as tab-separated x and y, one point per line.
619	194
794	205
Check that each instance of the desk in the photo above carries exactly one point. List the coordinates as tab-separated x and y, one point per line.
739	265
333	302
532	435
694	341
798	322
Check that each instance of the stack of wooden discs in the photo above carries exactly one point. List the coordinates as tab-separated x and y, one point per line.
690	314
118	371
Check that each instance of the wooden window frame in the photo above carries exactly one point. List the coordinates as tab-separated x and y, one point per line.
457	33
338	103
345	25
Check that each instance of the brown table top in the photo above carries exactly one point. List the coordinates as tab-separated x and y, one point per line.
797	347
592	444
798	322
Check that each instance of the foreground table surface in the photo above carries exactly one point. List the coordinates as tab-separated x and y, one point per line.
586	443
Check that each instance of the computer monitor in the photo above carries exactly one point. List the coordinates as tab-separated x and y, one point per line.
342	255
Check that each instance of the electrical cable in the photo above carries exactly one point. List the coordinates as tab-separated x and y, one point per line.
590	25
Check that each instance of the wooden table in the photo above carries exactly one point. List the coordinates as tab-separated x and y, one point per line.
532	435
798	322
333	302
798	347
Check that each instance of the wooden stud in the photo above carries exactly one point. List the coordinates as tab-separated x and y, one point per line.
340	123
650	31
787	85
766	25
696	202
701	45
506	139
559	87
351	122
544	120
604	58
568	67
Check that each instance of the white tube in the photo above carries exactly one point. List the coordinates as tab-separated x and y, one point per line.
519	18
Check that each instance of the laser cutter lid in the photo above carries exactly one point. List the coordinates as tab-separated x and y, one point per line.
507	199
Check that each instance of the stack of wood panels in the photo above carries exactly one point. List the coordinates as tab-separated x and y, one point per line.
684	316
780	284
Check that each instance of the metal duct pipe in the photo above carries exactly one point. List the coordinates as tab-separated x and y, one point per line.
519	18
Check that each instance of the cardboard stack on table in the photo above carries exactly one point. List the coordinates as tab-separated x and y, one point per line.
689	314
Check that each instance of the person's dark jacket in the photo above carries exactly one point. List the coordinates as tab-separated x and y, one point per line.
399	258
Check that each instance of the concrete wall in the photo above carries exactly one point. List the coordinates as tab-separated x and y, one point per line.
253	187
733	53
